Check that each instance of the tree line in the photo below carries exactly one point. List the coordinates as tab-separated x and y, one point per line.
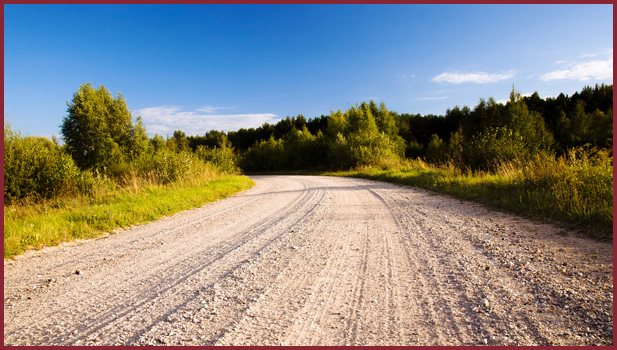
103	142
477	138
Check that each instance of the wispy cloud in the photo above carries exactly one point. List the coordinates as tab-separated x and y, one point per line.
210	109
165	120
473	77
599	69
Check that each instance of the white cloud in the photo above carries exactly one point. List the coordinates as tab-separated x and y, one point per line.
600	69
165	120
473	77
210	109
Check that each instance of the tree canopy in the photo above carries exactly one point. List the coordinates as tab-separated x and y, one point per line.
99	132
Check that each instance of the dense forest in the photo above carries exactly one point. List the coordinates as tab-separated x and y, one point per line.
475	139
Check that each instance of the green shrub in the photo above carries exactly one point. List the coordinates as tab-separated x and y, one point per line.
36	168
264	156
492	147
377	150
167	166
223	158
437	150
579	184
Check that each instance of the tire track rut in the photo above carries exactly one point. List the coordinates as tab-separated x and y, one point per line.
307	260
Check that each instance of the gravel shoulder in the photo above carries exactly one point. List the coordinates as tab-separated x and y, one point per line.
310	260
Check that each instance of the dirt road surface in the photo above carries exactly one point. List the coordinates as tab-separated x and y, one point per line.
304	260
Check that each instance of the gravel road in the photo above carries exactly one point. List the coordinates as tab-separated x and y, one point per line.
308	260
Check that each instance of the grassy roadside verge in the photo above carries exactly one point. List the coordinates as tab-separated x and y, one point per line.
579	196
33	226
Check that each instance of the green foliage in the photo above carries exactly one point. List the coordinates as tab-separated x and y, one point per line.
578	184
529	125
303	150
264	156
99	133
414	150
354	139
172	166
103	149
437	150
211	139
37	167
222	157
493	134
384	119
486	115
576	188
455	150
180	141
299	149
339	152
166	166
471	139
157	143
35	225
579	128
488	149
337	124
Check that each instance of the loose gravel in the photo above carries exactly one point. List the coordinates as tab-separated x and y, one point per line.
308	260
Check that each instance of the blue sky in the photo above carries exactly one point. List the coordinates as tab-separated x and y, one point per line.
201	67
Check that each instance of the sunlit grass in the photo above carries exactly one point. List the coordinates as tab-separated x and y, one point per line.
575	189
35	224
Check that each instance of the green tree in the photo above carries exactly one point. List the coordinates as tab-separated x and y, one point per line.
98	131
486	115
222	156
139	139
301	149
180	141
530	126
336	123
384	119
264	155
437	150
354	139
157	143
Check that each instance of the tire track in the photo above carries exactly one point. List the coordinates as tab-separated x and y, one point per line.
304	260
481	319
300	288
178	266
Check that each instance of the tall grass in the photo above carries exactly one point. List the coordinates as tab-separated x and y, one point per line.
576	188
49	200
35	224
